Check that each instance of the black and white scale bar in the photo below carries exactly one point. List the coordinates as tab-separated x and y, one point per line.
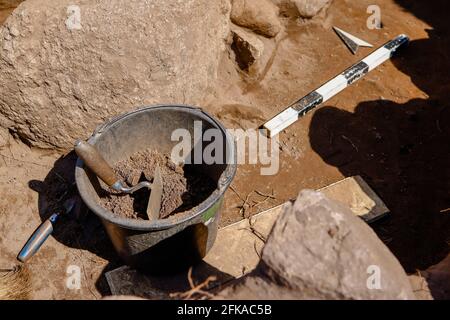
333	87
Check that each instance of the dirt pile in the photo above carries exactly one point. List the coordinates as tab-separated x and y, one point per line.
183	187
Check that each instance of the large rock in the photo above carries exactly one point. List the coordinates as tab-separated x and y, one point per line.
318	249
310	8
302	8
261	16
62	74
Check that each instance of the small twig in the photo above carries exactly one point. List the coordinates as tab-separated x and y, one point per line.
444	210
258	234
237	193
60	177
243	208
256	204
438	126
246	205
194	289
62	196
266	195
351	142
84	271
191	281
252	229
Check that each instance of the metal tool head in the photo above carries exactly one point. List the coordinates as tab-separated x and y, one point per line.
121	188
154	202
69	204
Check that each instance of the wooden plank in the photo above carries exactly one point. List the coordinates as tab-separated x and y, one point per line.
356	194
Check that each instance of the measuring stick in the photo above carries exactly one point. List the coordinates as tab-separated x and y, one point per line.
284	119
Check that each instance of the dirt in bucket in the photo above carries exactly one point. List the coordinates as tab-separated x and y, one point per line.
183	187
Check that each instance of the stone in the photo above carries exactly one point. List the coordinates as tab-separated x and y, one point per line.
247	48
261	16
302	8
310	8
66	69
318	249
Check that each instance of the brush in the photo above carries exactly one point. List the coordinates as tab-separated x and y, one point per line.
14	283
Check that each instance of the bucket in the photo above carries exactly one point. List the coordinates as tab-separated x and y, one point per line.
183	239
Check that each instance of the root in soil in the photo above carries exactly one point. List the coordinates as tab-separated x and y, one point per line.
197	291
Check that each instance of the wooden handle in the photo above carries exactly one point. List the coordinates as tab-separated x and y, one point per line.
94	161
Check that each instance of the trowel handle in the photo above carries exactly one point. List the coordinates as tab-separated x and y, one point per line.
37	239
94	161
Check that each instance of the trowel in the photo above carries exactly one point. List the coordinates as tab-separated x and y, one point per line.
41	234
98	165
154	202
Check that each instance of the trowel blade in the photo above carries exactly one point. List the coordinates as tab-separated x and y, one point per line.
154	202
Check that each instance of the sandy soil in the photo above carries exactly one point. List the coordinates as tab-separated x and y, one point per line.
390	127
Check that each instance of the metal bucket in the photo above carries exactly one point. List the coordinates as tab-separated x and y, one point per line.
180	240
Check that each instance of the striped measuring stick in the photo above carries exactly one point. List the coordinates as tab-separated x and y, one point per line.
284	119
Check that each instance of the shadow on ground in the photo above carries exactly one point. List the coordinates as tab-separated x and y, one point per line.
79	229
402	150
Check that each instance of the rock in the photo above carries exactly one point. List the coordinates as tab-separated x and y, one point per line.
66	69
247	48
301	8
310	8
261	16
318	249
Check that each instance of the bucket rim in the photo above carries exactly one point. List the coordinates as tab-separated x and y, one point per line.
145	225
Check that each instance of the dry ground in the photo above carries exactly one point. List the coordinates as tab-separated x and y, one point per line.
392	127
